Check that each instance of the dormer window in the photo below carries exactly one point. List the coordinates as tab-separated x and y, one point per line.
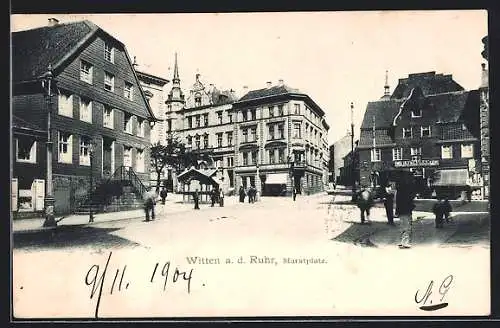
109	53
416	113
197	100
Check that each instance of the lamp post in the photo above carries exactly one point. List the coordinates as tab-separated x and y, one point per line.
353	179
47	83
91	155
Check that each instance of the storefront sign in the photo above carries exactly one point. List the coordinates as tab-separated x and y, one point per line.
417	163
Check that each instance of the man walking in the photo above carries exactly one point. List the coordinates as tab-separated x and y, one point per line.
365	203
389	203
221	198
241	193
404	206
149	198
196	198
163	195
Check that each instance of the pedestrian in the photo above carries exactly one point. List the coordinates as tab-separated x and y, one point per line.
389	203
149	198
196	198
221	198
294	193
163	195
438	210
364	201
213	196
447	210
241	193
404	207
250	194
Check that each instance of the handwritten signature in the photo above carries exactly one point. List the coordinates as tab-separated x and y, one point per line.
95	279
427	301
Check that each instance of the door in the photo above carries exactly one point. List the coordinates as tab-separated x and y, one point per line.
107	157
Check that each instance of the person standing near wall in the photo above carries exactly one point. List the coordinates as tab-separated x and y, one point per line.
404	207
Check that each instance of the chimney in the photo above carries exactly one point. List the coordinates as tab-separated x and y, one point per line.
53	21
245	89
281	82
135	62
269	84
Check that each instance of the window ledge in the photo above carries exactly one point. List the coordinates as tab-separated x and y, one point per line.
26	161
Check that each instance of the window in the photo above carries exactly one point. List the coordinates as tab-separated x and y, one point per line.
446	151
169	125
271	131
425	131
296	130
109	53
197	118
205	141
416	113
190	122
397	154
467	150
140	127
140	161
169	108
272	159
255	156
219	117
253	114
107	121
230	161
26	150
128	91
271	111
205	119
127	156
464	127
281	131
197	100
86	72
244	113
219	140
229	138
197	142
296	109
230	115
85	150
127	123
65	148
109	82
280	110
245	158
416	151
375	155
190	140
253	132
245	135
65	104
281	155
407	133
85	110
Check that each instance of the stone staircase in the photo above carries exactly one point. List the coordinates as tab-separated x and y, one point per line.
122	191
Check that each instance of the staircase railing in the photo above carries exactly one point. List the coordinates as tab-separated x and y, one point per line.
136	182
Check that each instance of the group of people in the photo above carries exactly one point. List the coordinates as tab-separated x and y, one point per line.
402	195
251	192
217	196
149	199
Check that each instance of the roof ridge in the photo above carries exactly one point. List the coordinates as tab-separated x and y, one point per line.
51	27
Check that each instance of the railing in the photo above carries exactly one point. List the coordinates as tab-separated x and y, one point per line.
136	182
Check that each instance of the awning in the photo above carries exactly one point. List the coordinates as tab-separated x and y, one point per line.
450	178
276	178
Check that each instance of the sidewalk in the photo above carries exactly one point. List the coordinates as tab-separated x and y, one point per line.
172	205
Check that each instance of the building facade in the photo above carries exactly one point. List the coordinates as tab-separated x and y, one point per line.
436	137
98	105
484	121
154	90
280	141
342	147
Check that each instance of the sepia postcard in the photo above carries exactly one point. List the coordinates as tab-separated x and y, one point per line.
232	165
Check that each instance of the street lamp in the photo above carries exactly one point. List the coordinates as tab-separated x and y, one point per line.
91	155
48	82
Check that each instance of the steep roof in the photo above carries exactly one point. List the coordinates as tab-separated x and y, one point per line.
267	92
33	50
429	82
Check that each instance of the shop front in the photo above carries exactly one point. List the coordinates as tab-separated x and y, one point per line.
424	172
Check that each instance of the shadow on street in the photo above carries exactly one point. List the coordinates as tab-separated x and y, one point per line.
71	236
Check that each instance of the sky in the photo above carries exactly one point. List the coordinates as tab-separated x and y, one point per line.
335	57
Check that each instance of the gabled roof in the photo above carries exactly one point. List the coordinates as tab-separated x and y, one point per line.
203	176
33	50
429	82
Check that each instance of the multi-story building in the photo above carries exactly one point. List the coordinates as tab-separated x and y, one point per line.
98	106
154	90
436	137
342	147
484	121
280	141
349	172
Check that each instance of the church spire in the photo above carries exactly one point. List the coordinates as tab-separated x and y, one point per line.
176	70
386	86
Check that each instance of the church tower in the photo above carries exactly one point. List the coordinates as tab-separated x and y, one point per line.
175	102
387	93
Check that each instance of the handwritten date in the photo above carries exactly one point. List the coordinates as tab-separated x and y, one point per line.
96	278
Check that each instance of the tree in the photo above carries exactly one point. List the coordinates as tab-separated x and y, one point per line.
171	154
